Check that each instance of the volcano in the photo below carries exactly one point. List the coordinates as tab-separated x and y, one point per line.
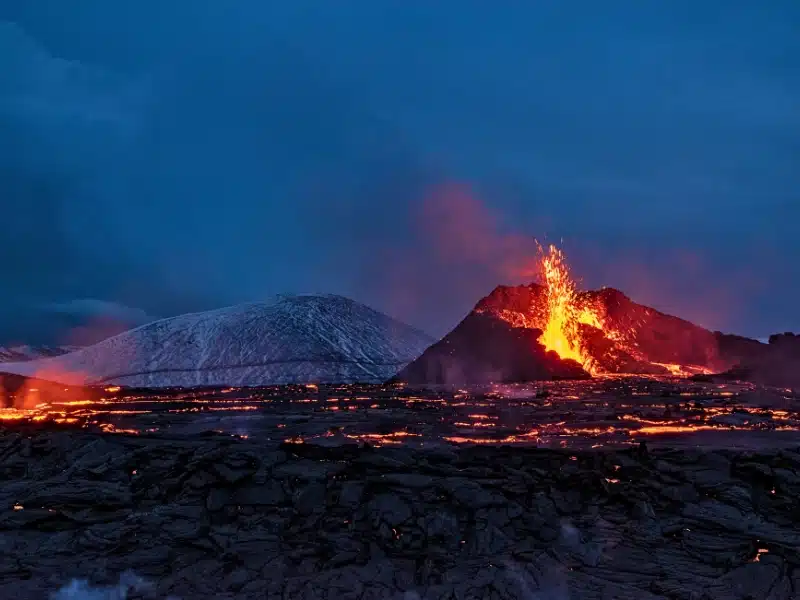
609	333
550	330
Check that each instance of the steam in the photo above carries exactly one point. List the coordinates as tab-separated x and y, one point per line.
99	319
524	582
129	585
464	231
456	250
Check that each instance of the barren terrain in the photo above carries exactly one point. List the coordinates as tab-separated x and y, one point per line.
517	492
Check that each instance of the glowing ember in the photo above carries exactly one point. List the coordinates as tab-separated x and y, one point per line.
759	553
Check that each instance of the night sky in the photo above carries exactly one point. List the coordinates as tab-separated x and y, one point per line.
166	156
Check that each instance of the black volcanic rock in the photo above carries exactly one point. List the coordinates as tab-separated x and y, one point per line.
776	363
209	517
484	349
788	343
737	349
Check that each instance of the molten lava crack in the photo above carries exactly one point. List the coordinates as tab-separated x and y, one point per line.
607	411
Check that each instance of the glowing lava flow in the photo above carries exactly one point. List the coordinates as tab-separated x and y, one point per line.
564	312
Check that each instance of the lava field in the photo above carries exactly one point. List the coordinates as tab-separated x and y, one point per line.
608	411
628	488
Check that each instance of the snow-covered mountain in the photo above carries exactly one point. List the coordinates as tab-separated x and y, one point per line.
292	339
26	353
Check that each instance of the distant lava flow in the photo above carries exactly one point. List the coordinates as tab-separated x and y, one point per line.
603	331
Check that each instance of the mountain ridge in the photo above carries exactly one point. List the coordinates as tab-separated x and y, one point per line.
290	338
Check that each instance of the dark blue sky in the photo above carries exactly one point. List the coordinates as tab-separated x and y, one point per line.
182	155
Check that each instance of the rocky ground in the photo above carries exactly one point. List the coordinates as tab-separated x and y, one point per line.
578	414
219	517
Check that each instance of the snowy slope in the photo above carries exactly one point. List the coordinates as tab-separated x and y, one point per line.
292	339
26	353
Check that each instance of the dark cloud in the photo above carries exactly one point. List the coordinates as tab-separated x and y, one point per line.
178	156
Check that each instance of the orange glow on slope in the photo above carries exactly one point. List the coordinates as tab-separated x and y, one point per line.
684	370
602	330
569	314
564	313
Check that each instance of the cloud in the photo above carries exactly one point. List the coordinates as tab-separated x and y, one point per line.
61	122
67	114
66	129
85	321
179	186
186	163
94	308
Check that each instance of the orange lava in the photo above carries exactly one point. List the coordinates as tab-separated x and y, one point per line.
759	553
12	414
564	313
569	314
684	370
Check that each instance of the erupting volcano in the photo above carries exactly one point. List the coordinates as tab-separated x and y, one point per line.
603	331
563	332
565	312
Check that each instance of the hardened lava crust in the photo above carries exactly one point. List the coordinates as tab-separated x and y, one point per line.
220	517
634	489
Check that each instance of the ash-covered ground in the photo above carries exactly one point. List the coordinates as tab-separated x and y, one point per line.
543	491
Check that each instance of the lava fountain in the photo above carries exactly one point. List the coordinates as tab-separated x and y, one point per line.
565	313
578	326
